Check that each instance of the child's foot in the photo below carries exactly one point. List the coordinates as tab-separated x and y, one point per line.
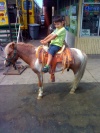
45	69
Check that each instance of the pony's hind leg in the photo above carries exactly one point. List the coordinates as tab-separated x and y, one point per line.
40	85
75	68
79	73
74	85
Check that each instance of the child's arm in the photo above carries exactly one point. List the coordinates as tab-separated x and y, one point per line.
48	39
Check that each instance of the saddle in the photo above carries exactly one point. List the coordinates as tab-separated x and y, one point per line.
63	56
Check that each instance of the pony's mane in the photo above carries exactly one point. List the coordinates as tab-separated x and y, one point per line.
27	45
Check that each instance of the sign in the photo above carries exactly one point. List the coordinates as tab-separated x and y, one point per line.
29	5
85	32
2	6
92	8
91	0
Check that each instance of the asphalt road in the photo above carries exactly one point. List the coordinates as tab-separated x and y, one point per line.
57	112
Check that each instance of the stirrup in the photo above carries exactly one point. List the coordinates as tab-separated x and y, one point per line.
45	69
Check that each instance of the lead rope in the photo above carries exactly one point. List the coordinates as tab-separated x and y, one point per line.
17	31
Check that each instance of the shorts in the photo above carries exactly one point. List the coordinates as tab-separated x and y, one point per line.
53	49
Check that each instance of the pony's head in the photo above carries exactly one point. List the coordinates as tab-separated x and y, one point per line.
11	54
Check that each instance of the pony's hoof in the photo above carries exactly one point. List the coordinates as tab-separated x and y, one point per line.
39	97
72	92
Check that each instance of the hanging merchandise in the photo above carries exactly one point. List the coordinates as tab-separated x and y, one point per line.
73	19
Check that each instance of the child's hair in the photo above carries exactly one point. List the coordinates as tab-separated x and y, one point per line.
58	19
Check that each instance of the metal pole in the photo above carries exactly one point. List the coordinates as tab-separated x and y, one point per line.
9	21
27	10
57	7
53	8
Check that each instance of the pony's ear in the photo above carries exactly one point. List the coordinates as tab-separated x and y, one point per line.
12	45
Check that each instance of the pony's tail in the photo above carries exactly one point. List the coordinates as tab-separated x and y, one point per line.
80	73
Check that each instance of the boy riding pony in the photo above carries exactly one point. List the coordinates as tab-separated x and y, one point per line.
56	39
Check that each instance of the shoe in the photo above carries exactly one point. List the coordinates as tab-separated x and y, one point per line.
46	69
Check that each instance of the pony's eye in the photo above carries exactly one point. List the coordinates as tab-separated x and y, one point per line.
8	54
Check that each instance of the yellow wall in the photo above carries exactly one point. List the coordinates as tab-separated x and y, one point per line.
4	18
90	45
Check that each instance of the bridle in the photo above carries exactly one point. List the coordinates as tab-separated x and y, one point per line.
9	60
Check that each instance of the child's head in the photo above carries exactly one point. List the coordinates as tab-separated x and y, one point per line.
58	22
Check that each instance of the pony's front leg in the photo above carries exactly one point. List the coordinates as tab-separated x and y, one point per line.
40	85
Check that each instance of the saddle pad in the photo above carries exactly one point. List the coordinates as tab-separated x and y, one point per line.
65	57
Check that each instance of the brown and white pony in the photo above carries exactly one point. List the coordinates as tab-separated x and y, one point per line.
27	52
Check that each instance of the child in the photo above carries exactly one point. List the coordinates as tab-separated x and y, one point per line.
57	38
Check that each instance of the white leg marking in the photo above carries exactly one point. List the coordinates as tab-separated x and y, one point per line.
38	66
40	94
40	91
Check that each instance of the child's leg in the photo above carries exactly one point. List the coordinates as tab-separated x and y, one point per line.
51	52
49	59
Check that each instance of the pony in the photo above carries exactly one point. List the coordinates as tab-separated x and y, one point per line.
27	52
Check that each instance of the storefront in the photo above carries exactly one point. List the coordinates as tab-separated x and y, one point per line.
88	35
69	9
82	19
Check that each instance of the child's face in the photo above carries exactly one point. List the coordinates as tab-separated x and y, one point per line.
58	24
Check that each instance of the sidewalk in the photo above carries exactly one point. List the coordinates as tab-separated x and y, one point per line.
92	73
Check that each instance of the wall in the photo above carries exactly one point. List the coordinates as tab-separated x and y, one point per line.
90	45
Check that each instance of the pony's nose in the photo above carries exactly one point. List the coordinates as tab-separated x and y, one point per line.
6	64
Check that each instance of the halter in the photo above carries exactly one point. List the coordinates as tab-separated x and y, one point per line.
9	60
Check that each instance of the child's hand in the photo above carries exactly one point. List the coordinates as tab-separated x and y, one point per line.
44	42
41	41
